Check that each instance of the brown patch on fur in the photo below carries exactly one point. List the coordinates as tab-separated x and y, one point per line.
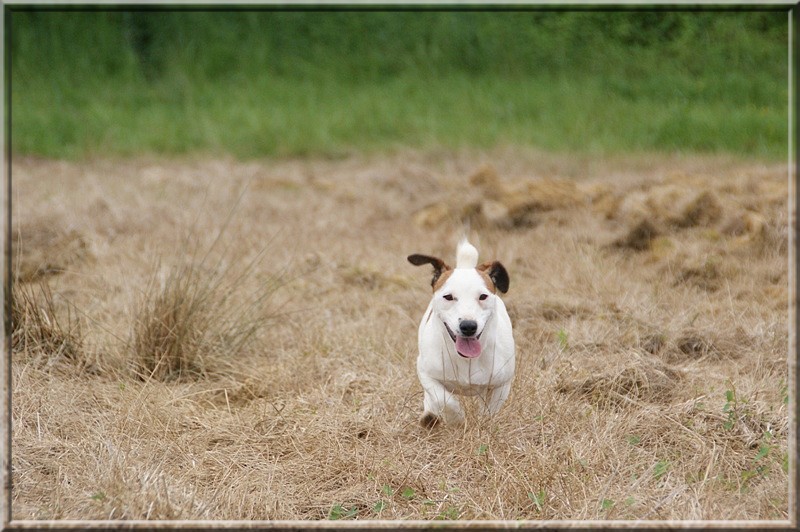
440	268
485	276
442	279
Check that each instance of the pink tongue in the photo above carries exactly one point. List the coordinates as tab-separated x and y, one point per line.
469	347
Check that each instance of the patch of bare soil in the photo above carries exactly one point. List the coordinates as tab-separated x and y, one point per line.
213	339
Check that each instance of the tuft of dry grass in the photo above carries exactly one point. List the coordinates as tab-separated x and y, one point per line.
651	384
40	330
173	327
197	319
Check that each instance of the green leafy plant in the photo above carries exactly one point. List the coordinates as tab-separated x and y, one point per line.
730	408
339	511
449	513
763	451
563	339
660	469
630	501
758	467
538	499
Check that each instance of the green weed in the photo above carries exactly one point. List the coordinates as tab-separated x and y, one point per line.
408	493
339	511
730	407
538	499
660	469
450	513
563	339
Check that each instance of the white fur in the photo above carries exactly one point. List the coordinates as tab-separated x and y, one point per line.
466	255
441	370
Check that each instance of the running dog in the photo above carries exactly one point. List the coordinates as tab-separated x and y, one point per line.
466	344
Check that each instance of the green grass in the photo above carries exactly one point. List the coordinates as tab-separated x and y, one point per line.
289	84
287	118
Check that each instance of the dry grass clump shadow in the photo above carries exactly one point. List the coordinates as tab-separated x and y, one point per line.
46	246
38	330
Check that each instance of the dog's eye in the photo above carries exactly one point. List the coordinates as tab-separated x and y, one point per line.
483	296
448	297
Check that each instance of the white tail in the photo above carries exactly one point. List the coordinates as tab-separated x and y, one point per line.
466	255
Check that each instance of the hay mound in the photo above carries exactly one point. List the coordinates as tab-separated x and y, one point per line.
46	247
706	275
692	345
636	378
487	180
745	223
604	200
665	208
672	205
639	237
370	278
432	215
491	202
527	200
556	310
704	209
655	203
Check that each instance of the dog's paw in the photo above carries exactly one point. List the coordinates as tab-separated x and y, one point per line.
429	420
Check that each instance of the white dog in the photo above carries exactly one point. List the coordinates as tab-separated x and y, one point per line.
466	345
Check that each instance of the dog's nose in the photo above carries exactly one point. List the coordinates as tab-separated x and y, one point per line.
468	327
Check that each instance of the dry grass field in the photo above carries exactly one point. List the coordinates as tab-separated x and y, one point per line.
209	339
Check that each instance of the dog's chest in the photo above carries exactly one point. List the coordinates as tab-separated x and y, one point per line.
466	376
461	387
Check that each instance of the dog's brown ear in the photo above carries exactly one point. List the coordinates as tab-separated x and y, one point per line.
439	265
497	273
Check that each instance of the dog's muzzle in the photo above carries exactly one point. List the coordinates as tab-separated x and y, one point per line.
466	346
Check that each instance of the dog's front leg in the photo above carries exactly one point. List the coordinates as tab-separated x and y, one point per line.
439	403
494	398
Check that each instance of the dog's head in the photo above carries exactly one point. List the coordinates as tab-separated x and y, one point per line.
465	297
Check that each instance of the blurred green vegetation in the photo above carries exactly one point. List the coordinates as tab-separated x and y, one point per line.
286	83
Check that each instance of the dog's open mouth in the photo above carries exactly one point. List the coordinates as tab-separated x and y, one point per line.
466	347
